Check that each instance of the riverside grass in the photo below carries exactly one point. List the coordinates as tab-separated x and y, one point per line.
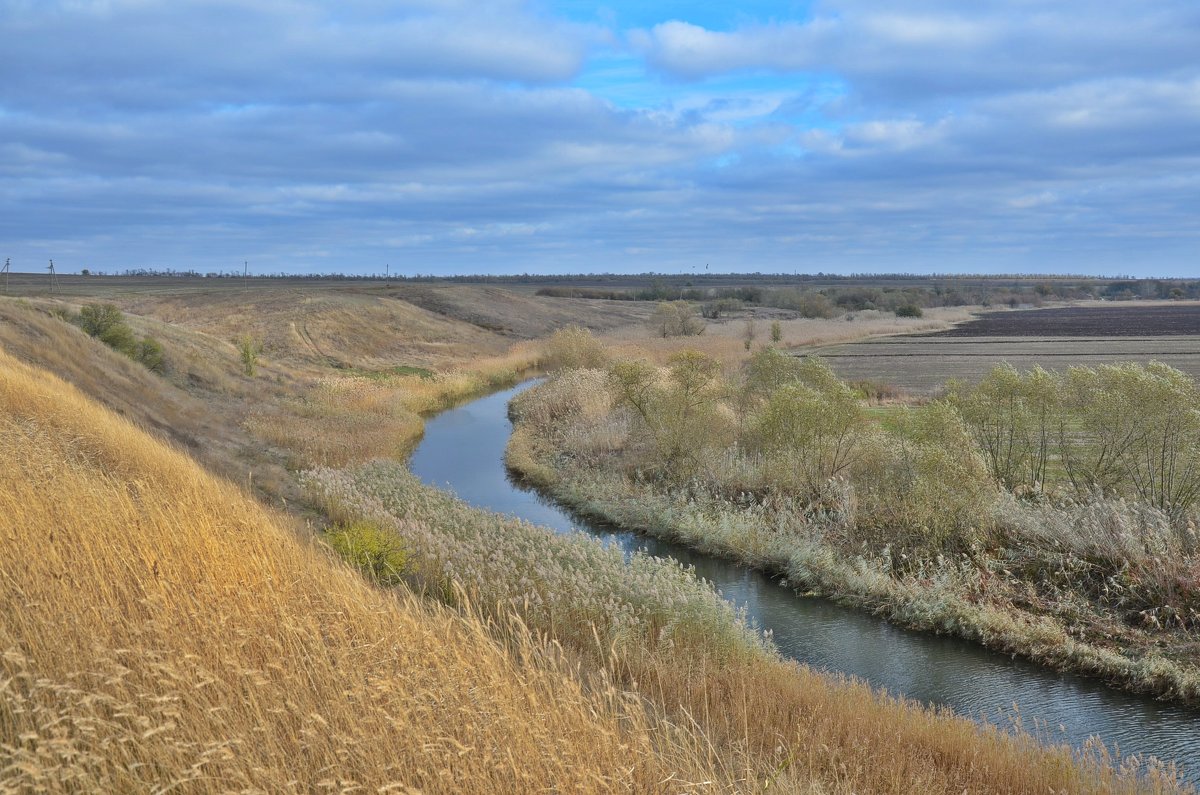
161	631
651	626
568	422
243	659
343	419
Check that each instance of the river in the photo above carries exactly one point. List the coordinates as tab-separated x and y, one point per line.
463	450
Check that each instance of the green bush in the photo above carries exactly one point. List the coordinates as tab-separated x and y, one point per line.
106	323
678	417
1122	429
810	428
150	354
378	553
909	310
120	337
249	349
924	488
98	319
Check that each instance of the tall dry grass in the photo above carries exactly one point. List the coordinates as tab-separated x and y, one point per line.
160	631
345	419
659	632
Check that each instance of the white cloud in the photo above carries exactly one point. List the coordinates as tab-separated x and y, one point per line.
690	51
195	132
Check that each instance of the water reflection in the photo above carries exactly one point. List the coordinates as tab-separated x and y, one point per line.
463	451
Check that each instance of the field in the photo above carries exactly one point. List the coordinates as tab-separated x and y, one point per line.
247	658
1053	338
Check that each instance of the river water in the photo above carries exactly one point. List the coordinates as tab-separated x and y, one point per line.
463	450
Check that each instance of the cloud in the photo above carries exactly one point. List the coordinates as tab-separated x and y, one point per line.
690	51
446	135
940	48
135	54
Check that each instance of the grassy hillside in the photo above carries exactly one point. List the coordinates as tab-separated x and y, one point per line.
162	630
161	627
305	324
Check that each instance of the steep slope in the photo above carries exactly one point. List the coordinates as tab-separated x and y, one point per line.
160	629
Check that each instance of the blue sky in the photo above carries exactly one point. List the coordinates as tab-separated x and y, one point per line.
501	136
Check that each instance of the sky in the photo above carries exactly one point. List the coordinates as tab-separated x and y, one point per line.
503	136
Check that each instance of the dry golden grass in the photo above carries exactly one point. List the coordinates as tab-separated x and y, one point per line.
723	339
159	627
778	720
343	419
162	631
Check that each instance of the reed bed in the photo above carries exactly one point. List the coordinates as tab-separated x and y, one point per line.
648	626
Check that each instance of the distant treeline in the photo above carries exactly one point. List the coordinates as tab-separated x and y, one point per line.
813	301
813	294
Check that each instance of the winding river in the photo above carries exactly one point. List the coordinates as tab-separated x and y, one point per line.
463	451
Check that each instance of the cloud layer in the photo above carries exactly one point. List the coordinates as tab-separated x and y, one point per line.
502	136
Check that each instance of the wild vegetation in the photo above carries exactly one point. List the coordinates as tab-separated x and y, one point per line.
247	659
648	625
106	323
827	295
1050	515
162	631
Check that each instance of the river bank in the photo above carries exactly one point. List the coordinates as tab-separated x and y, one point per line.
945	597
656	633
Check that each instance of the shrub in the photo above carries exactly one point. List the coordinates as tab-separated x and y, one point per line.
812	431
776	332
1125	429
97	319
676	319
721	306
120	338
150	354
749	334
249	349
376	552
1013	418
909	310
574	348
923	488
106	323
680	415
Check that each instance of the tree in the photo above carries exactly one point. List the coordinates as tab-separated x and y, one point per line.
676	319
678	412
749	333
249	349
776	332
95	319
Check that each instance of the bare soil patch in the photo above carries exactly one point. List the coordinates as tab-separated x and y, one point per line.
1121	320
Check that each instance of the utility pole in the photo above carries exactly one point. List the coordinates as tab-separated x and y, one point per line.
53	277
245	272
7	270
387	275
